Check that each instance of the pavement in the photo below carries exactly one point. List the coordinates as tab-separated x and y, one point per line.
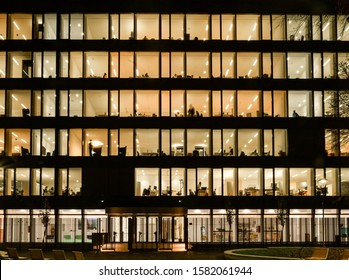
139	255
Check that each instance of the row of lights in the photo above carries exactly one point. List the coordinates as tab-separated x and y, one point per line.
79	25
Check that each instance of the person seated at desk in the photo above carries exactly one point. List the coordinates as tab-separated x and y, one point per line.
197	114
154	191
203	192
146	192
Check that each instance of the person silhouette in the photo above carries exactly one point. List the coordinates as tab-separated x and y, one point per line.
90	147
191	111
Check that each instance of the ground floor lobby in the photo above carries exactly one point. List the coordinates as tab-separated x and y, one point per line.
174	228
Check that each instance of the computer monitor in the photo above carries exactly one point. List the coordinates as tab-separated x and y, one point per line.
25	112
97	151
24	151
122	151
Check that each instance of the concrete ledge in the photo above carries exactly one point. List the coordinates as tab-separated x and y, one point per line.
232	255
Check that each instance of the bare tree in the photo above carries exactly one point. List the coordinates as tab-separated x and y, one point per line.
300	22
338	106
230	220
45	217
282	215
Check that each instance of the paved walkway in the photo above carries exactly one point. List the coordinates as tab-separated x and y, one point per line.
141	255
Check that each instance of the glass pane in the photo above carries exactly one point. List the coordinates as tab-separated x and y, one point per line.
96	64
165	27
248	27
298	27
177	27
249	181
298	66
216	104
229	182
299	104
198	142
217	182
114	65
279	66
328	28
177	65
96	26
177	145
126	65
249	142
147	141
197	27
126	103
20	26
147	103
126	27
165	142
113	142
249	104
229	142
76	27
49	103
75	65
278	25
75	103
248	65
228	65
3	26
147	65
64	26
147	26
96	142
75	142
114	103
177	103
49	65
114	25
228	103
301	181
266	30
126	140
50	27
96	103
48	142
228	27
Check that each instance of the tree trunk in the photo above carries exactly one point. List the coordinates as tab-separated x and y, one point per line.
229	237
282	234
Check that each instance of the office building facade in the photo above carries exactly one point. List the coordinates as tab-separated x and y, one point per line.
164	124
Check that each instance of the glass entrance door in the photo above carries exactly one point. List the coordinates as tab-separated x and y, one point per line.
119	229
166	230
153	229
147	229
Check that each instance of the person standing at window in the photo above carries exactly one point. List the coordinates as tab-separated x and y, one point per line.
90	147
